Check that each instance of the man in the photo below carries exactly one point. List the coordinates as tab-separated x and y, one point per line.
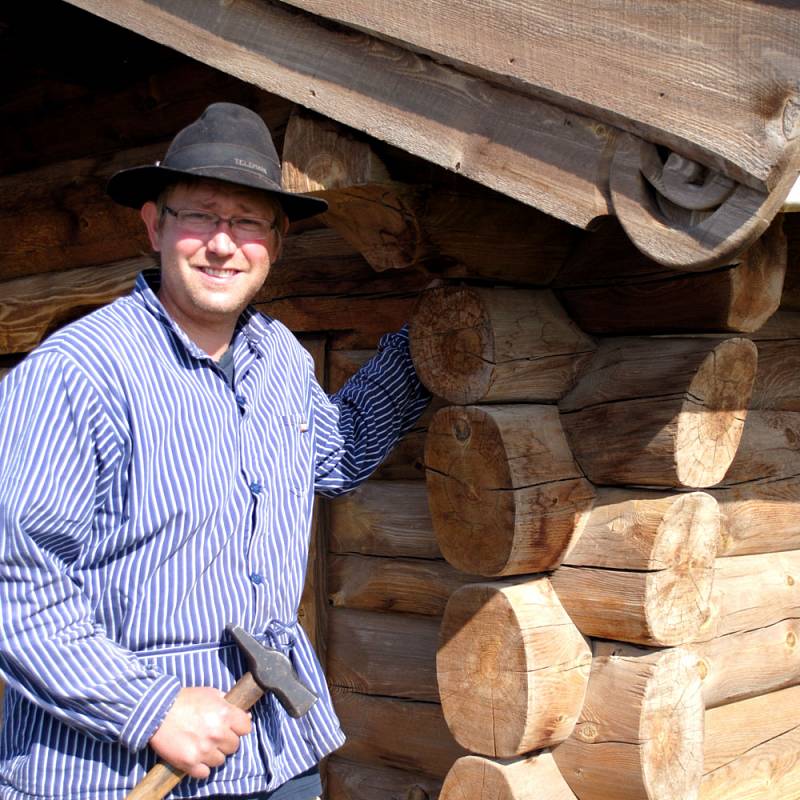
158	460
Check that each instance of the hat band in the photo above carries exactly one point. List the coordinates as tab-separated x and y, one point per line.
209	156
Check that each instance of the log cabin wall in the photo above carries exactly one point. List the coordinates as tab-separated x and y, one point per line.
577	576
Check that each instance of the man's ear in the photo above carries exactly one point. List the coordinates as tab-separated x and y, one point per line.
151	219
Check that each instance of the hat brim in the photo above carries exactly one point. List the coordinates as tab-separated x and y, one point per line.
135	186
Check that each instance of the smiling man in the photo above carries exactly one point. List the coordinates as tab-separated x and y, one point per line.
158	461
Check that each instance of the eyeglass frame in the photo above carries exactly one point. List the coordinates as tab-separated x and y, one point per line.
231	222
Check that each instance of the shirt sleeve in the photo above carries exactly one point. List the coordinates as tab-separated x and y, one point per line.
355	429
57	457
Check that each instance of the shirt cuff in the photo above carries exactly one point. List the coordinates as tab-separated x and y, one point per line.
150	712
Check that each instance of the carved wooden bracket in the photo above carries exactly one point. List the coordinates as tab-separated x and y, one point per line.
682	214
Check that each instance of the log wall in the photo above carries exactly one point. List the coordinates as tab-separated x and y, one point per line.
585	553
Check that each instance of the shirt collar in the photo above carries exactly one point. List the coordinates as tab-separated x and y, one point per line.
253	325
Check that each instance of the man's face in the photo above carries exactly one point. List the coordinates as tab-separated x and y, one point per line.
208	279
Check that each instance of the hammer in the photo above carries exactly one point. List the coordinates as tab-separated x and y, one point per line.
268	671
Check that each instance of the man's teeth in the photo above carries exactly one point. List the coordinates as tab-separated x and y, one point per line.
219	273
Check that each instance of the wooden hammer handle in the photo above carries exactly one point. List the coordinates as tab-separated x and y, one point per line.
162	778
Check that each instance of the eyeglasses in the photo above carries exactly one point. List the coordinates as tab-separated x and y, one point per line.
204	222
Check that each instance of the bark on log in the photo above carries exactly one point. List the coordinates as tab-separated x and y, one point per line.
660	412
395	733
640	733
739	665
611	287
512	667
504	491
643	567
383	518
393	655
752	748
393	584
752	592
348	780
473	345
533	778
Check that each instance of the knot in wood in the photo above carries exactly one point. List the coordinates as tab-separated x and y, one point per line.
791	639
587	731
462	430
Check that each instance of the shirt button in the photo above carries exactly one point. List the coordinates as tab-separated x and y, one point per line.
240	400
256	578
255	487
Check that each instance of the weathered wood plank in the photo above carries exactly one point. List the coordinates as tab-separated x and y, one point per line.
393	584
380	653
348	780
384	518
747	663
518	145
734	729
743	111
33	307
395	733
770	771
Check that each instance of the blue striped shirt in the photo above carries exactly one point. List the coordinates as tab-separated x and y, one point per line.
144	503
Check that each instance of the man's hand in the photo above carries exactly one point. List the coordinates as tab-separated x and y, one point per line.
199	731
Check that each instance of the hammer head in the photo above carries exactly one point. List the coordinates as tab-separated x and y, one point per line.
273	672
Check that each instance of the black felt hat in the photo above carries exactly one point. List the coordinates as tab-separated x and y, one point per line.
228	142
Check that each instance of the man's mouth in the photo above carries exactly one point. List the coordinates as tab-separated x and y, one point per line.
218	273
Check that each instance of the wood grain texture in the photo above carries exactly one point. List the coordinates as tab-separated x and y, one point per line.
504	491
518	145
770	770
752	592
736	732
610	287
643	567
748	663
479	778
475	345
34	307
413	586
512	667
742	111
350	780
384	518
660	412
401	734
382	653
640	733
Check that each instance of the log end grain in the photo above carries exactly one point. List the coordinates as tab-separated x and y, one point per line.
473	345
504	491
477	778
711	421
452	345
640	733
512	668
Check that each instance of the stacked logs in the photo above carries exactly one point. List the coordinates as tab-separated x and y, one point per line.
625	610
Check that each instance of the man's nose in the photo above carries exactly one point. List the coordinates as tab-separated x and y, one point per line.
221	241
